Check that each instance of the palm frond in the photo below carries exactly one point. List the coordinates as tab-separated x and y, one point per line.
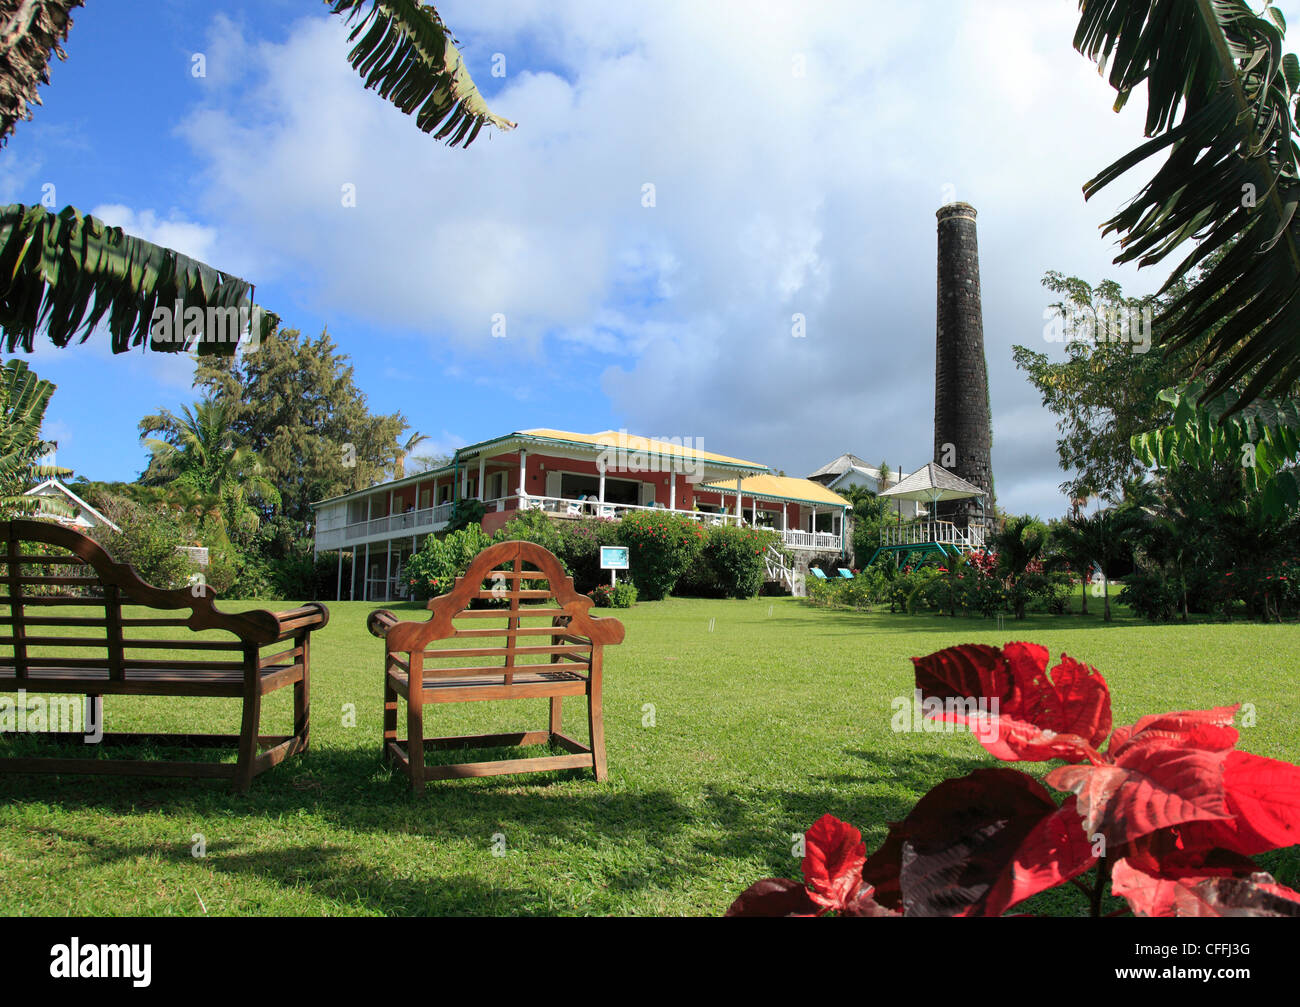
1220	99
405	52
69	271
31	31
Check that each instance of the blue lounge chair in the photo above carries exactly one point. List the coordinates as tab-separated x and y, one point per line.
846	574
816	572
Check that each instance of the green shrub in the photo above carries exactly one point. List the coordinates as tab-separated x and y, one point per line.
735	555
434	569
580	543
533	526
620	595
661	547
148	541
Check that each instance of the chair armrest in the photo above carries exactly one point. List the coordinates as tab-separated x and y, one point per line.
311	616
380	622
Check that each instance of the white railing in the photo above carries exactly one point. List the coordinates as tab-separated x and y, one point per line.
777	570
429	518
564	507
941	532
822	541
435	518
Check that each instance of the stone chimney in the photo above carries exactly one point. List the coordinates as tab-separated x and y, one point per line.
963	436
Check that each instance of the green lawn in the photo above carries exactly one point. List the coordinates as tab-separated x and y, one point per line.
777	714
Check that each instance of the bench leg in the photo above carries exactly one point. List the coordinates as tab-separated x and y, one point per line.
302	697
555	714
248	732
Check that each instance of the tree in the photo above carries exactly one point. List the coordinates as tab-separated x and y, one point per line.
68	272
399	464
1019	544
23	400
198	453
1103	536
1230	180
1105	391
294	403
1069	541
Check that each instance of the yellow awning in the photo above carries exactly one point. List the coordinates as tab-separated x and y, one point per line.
621	440
781	488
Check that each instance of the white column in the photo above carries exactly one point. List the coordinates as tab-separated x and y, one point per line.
740	515
464	482
523	471
481	463
339	590
672	490
785	516
365	576
388	572
601	491
813	526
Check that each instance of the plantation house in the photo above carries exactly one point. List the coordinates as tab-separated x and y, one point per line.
568	476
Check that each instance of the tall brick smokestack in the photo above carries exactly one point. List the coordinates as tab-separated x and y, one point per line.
963	438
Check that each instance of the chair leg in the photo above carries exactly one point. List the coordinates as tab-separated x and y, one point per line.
415	745
390	720
248	732
596	724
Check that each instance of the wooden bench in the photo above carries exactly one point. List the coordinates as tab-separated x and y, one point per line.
48	569
539	641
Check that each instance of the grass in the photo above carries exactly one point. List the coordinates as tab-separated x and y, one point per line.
766	714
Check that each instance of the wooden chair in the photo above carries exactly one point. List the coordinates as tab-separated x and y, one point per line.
66	632
488	655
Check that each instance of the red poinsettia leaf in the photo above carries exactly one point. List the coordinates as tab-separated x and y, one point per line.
774	897
1258	895
1018	710
882	868
1054	851
832	865
1147	893
1211	730
1171	852
1072	699
1264	796
864	904
1148	789
961	847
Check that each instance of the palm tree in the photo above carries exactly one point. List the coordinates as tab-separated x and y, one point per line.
67	272
399	464
1070	541
198	453
1021	541
23	400
1230	180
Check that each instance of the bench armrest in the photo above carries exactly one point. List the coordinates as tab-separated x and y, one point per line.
311	616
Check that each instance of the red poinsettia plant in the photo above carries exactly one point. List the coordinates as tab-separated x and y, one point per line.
1168	815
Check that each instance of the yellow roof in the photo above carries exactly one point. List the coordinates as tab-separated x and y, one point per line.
783	488
621	440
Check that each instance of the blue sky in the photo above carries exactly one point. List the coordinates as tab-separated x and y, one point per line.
776	192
